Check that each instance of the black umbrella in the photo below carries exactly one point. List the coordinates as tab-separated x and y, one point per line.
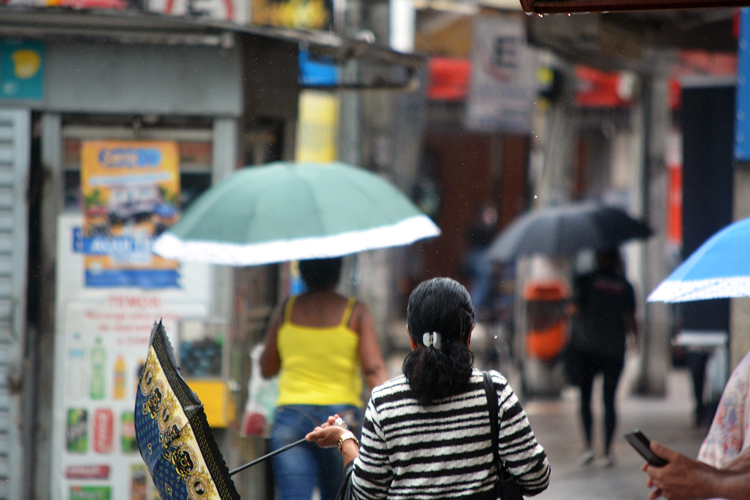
565	230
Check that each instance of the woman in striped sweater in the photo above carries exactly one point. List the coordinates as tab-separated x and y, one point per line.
426	434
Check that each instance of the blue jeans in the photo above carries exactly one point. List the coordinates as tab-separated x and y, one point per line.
299	470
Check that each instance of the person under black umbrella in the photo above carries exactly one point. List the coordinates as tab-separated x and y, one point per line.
604	305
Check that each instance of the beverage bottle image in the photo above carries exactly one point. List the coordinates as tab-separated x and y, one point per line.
76	368
98	358
119	387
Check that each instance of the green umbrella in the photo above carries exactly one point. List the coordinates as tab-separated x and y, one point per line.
285	211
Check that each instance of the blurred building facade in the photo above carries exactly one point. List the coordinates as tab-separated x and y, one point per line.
222	80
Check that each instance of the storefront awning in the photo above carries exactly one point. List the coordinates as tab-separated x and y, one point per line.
143	28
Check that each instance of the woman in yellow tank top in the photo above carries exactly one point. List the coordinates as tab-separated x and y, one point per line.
318	343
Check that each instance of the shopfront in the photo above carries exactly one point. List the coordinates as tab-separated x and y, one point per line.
110	126
109	136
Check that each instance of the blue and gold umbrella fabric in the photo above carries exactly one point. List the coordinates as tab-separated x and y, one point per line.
173	434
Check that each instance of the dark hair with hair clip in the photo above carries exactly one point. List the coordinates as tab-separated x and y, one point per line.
319	274
439	305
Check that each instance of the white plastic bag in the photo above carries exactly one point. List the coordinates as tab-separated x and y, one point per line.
261	399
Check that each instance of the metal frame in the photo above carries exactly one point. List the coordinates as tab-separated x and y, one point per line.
580	6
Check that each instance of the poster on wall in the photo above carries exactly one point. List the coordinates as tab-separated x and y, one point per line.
21	69
105	349
503	86
101	342
130	194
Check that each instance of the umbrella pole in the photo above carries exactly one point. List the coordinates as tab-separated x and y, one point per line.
264	457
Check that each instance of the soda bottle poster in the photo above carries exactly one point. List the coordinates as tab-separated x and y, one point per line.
100	362
130	193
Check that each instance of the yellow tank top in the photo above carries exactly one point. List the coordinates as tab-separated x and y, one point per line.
319	366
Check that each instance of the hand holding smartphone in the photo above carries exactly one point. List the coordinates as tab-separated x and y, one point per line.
641	444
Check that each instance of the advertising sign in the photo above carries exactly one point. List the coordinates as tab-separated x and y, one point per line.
235	11
21	69
88	4
105	349
130	196
503	89
674	193
317	127
102	339
310	14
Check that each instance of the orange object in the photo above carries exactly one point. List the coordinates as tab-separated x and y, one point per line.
546	291
548	343
546	318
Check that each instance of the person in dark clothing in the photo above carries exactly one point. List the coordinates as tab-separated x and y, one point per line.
479	236
605	308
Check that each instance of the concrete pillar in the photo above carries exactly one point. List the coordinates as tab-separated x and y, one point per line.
225	154
52	206
654	318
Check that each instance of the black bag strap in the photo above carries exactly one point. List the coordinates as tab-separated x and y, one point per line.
489	390
345	491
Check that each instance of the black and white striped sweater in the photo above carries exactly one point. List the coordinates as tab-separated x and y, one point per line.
444	450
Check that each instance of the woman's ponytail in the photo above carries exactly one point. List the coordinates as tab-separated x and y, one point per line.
440	308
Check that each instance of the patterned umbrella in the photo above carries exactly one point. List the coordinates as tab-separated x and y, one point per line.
173	434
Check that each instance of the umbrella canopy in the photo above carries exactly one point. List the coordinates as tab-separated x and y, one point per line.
173	434
285	211
565	230
720	268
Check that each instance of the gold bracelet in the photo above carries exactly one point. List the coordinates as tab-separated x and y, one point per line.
344	437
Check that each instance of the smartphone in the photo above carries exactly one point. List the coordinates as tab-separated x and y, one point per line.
641	444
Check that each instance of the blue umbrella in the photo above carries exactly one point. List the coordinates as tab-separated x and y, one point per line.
720	268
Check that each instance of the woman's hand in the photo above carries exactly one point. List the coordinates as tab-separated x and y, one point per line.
326	435
680	479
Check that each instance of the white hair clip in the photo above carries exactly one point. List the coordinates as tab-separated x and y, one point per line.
431	339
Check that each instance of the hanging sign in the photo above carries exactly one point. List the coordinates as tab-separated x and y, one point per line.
317	126
503	88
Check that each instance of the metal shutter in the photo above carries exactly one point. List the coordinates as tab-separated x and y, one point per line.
15	133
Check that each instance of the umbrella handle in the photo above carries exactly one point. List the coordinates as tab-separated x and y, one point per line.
264	457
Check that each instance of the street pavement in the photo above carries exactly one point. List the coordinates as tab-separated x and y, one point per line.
667	420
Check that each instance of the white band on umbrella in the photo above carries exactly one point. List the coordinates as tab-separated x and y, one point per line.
711	288
404	232
431	339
